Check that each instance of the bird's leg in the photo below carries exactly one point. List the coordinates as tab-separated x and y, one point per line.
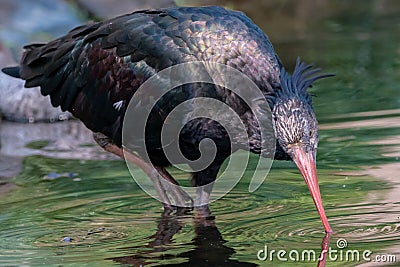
164	184
201	202
161	179
203	180
107	144
172	187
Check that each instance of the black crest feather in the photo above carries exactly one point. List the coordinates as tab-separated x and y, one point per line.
302	78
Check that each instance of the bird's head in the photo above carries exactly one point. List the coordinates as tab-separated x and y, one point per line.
296	127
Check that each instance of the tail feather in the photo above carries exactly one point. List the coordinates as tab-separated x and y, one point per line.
12	71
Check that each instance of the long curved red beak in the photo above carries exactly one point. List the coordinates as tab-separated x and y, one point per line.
307	166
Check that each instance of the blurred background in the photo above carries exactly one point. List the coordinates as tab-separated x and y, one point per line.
55	183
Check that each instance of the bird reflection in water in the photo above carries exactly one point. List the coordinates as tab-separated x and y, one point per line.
209	245
325	247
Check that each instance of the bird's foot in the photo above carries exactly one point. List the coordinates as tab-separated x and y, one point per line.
177	195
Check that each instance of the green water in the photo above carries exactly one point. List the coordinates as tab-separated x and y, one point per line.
111	221
40	213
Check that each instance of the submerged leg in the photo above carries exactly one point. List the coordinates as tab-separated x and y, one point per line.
203	181
161	179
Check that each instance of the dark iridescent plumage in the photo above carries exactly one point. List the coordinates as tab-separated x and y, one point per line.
95	69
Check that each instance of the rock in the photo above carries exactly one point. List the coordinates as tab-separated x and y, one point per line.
109	8
67	239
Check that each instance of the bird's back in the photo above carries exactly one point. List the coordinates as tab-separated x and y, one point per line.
94	70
